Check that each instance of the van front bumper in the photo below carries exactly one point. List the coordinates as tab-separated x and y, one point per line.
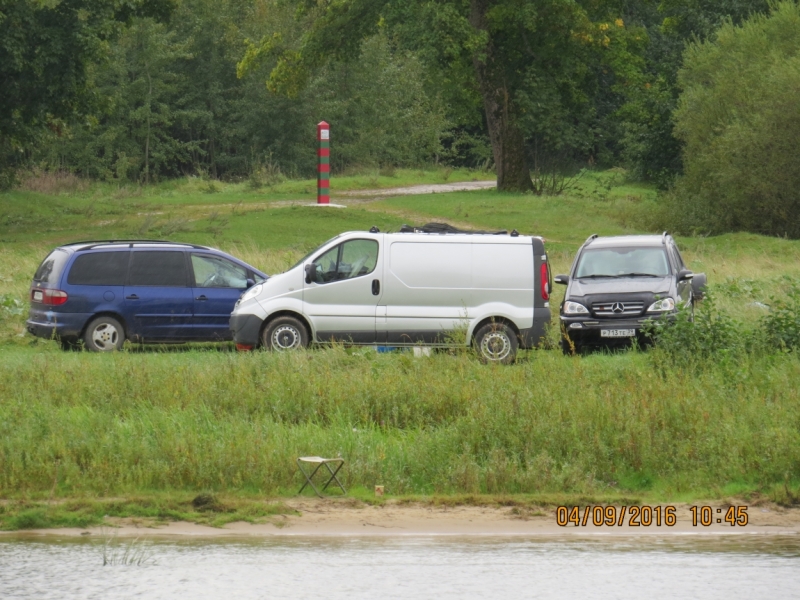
246	330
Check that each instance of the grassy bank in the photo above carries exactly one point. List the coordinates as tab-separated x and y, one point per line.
161	426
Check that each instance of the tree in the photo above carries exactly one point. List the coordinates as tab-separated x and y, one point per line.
501	48
737	116
45	48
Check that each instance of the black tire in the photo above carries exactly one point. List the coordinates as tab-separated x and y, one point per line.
104	334
496	343
284	334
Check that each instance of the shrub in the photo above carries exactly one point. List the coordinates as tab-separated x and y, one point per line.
782	325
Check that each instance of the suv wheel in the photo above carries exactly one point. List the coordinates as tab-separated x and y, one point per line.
104	334
283	334
496	343
569	346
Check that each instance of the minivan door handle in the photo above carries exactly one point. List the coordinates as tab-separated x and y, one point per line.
132	297
376	287
201	298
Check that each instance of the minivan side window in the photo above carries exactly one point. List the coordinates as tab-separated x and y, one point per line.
50	269
99	268
215	272
349	260
158	268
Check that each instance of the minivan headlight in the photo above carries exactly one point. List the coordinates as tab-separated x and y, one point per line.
573	308
662	305
251	293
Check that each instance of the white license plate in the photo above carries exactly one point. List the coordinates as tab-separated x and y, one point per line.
38	296
615	333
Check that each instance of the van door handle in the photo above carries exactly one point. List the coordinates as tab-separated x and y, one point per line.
376	287
201	298
132	297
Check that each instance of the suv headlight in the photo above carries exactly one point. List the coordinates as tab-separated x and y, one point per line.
573	308
251	293
662	305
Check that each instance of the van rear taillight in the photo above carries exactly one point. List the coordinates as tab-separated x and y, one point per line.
545	282
49	297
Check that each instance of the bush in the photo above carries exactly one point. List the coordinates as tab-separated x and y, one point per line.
782	325
738	118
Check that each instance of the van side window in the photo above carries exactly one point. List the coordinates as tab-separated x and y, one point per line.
99	268
347	261
165	269
215	272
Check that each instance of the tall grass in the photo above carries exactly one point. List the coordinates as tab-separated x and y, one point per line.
72	423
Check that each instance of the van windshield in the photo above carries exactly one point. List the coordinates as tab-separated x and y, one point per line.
623	262
307	256
52	266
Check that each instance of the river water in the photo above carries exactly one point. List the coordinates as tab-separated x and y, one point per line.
690	566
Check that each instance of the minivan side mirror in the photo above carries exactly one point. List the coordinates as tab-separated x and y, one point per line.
250	282
685	274
311	272
562	279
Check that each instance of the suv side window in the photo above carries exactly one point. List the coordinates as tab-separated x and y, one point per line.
216	272
99	268
158	268
349	260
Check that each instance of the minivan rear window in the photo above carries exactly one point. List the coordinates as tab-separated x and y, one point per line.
166	269
52	266
99	268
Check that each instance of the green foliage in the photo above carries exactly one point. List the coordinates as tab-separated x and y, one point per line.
737	117
782	323
699	335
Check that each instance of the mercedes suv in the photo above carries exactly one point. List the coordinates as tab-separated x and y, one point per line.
616	284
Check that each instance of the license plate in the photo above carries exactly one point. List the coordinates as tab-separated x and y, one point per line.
38	296
616	333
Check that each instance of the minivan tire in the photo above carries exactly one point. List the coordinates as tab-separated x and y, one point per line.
496	343
104	334
283	334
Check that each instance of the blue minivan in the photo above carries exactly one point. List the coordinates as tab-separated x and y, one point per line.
103	293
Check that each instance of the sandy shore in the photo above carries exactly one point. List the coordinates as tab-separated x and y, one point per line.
345	518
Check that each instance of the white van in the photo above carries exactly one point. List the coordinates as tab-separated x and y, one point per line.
405	289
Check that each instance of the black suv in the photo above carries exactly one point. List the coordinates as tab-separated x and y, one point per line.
618	283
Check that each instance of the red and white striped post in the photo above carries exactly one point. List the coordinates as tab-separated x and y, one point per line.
324	163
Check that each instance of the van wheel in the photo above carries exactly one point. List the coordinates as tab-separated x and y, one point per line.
496	343
283	334
104	334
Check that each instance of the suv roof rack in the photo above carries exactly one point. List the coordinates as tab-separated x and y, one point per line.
445	228
93	243
590	238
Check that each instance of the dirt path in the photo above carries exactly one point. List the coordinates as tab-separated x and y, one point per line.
352	518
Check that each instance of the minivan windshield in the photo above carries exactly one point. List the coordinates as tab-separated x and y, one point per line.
307	256
52	266
623	262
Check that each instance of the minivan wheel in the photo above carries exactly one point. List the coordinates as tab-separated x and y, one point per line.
496	343
283	334
104	334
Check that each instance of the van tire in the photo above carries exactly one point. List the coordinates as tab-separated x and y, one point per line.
496	343
104	334
283	334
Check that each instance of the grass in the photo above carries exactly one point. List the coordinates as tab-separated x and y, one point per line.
160	426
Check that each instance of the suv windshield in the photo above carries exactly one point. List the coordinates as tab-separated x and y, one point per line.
623	262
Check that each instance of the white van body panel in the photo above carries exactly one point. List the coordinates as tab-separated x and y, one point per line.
429	284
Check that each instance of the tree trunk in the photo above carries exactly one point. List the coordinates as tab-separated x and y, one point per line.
508	143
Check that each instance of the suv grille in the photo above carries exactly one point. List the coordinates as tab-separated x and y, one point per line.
617	309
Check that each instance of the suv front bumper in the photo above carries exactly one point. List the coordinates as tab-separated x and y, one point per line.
588	330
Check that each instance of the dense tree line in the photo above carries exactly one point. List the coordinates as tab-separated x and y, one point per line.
141	90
